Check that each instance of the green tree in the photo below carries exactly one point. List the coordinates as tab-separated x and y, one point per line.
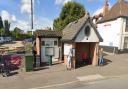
70	12
16	34
1	23
2	32
7	27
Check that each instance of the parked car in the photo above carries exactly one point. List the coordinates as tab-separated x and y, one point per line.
5	40
1	40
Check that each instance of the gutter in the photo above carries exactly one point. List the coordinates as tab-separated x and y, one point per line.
121	34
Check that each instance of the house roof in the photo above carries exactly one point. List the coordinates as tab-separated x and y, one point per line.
47	33
120	9
72	29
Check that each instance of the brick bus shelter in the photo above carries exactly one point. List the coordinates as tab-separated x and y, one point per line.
83	38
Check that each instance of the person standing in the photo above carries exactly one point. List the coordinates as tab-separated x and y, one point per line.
101	59
69	60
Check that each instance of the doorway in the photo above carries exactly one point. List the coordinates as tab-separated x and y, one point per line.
84	54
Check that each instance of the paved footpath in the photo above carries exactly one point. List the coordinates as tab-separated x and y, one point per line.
57	75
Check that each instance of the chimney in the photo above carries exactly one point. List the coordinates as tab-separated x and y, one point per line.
106	8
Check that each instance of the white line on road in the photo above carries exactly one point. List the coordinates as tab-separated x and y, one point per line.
55	85
90	77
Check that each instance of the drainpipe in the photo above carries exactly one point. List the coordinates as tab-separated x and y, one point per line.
121	34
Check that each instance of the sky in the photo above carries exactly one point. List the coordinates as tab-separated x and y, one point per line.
45	11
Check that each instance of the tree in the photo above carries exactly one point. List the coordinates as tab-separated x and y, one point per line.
7	27
16	34
2	32
1	27
1	23
70	12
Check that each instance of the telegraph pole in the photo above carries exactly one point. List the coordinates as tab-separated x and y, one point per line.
32	16
33	51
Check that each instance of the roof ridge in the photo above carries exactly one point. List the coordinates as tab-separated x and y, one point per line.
119	9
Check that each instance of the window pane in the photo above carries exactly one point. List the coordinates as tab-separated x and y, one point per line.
126	30
55	43
43	42
49	43
126	43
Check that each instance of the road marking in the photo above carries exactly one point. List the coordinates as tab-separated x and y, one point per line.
90	77
54	85
94	82
83	78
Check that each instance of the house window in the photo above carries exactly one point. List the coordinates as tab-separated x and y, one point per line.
55	43
126	30
43	43
49	43
127	22
126	43
87	31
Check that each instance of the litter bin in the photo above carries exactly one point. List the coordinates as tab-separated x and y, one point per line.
29	62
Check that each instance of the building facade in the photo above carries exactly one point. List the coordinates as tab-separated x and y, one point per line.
113	27
48	44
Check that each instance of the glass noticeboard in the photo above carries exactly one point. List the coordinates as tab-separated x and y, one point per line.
49	51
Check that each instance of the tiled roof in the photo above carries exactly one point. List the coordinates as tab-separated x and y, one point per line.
47	33
120	9
73	28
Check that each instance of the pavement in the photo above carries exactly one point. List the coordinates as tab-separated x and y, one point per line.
57	77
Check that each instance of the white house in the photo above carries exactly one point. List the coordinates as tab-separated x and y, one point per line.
113	27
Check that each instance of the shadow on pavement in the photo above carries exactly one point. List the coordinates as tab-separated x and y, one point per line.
40	68
13	73
107	61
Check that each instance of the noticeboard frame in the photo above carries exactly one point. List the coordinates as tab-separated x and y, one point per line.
49	51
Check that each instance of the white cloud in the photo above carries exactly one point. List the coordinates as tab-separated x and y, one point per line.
26	6
43	23
65	1
59	2
7	16
22	24
40	23
97	12
13	18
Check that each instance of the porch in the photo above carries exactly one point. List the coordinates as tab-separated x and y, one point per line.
81	49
